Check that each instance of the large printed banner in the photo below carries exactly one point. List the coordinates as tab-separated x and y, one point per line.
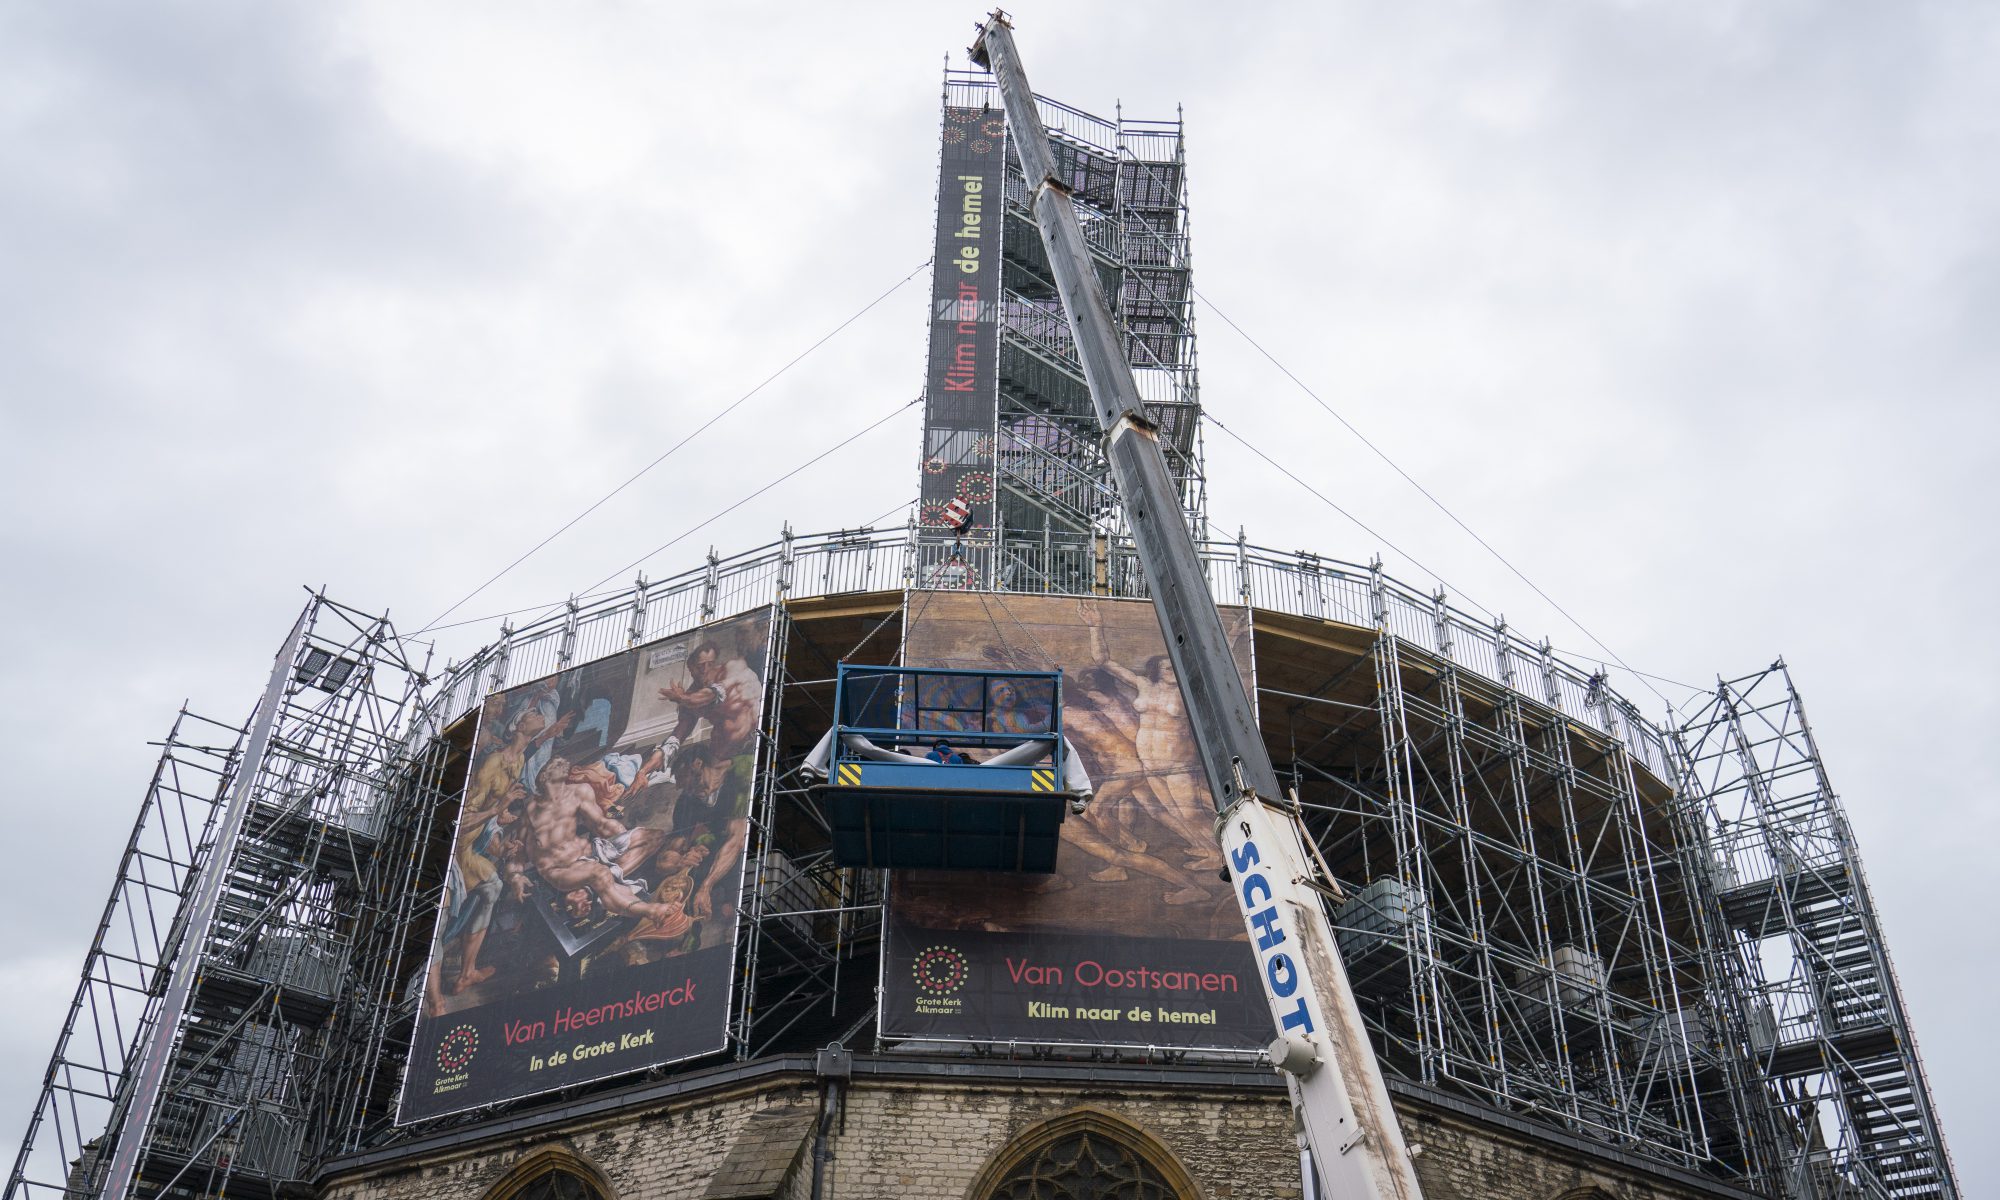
961	408
1135	939
589	922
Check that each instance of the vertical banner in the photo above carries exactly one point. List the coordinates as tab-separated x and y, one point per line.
961	406
1135	939
589	921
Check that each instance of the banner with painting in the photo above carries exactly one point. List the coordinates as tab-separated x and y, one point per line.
589	920
1134	939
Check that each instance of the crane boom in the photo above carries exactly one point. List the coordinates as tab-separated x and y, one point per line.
1336	1085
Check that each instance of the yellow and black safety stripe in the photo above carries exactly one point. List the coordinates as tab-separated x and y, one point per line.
1043	780
848	774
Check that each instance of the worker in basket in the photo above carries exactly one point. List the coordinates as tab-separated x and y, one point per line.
943	752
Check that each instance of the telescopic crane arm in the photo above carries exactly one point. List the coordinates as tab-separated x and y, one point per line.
1336	1085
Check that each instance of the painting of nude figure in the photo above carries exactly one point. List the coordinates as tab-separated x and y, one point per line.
597	861
1140	864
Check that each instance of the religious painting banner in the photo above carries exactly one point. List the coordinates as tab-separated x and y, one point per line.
588	927
1134	939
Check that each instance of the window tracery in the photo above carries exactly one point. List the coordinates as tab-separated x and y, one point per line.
552	1173
1084	1166
1086	1154
558	1184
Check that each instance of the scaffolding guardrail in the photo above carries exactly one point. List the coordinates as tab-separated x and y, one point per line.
803	566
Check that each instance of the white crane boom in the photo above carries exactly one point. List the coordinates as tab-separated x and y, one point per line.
1336	1085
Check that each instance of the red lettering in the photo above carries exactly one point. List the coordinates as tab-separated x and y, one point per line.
1032	973
1093	974
522	1031
567	1019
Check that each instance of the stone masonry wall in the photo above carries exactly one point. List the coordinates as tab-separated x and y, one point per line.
926	1140
1466	1161
930	1138
668	1153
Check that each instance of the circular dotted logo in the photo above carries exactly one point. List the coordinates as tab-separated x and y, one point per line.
953	135
993	129
458	1048
939	970
976	486
981	145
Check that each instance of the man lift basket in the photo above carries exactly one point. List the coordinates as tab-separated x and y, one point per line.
994	800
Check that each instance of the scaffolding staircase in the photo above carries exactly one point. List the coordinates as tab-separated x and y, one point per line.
1043	463
1128	182
1827	1029
215	1030
1133	214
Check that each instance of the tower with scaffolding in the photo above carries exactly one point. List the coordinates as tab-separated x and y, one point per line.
1015	486
1653	939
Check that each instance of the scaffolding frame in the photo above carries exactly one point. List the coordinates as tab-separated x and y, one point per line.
1536	822
235	982
802	914
1842	1083
1514	926
1128	180
136	940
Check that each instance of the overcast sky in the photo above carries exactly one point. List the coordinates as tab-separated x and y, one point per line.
1689	308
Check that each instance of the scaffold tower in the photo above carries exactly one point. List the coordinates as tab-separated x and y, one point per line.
1031	447
1828	1036
230	1018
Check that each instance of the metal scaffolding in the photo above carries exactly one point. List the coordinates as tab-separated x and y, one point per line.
234	1001
1515	925
1830	1042
1128	181
1554	905
64	1149
810	927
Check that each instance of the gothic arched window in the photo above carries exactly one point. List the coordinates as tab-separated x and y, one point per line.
1086	1154
552	1173
558	1185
